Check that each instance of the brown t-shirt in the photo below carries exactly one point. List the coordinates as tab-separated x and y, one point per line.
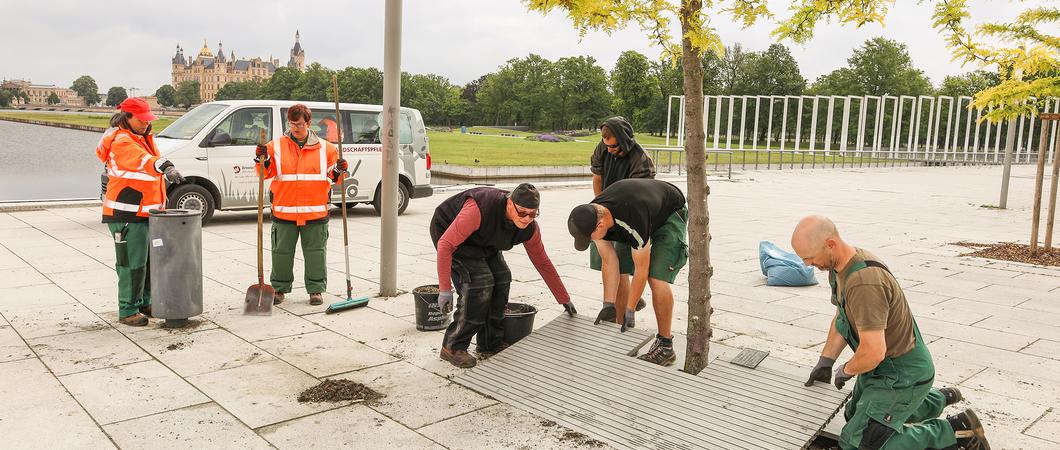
875	301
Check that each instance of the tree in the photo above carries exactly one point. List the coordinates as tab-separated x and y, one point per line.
427	93
241	90
698	37
633	88
314	85
456	107
6	97
187	94
166	95
470	93
281	84
771	72
53	99
968	84
579	97
116	95
86	87
357	85
880	66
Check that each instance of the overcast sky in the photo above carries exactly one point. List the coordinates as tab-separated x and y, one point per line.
131	43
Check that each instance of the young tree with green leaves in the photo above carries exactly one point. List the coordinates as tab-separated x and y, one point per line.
188	94
116	95
166	95
53	99
86	87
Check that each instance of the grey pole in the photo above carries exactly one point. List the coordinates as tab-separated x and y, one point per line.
391	107
1010	146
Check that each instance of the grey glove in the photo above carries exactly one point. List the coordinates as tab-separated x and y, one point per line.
445	301
841	376
629	321
822	371
173	176
607	314
569	307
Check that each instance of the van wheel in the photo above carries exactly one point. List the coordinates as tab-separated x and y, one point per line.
192	196
403	199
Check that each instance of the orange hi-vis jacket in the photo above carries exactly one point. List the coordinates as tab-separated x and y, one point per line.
135	185
301	185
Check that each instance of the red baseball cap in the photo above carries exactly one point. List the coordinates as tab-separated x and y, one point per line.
139	109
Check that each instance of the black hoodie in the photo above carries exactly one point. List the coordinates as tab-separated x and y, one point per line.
632	162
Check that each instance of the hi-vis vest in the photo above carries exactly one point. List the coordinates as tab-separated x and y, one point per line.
134	184
301	186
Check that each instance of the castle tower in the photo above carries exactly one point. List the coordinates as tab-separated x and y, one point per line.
297	54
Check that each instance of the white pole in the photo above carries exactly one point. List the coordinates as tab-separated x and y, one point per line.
391	136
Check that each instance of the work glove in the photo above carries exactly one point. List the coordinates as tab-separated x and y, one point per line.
629	321
261	153
569	307
607	314
341	166
822	371
173	176
841	376
445	301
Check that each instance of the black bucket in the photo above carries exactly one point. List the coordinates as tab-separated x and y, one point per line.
428	316
518	321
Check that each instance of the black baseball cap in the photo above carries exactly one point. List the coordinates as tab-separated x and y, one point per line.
526	195
581	224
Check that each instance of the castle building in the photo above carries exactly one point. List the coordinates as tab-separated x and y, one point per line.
213	71
38	93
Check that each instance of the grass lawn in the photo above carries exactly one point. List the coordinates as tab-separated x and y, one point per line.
93	120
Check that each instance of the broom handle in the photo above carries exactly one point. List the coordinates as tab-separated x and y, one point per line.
342	185
261	209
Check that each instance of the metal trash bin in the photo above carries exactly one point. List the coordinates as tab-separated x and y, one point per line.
176	265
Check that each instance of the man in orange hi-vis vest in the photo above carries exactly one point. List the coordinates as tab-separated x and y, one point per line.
302	167
136	184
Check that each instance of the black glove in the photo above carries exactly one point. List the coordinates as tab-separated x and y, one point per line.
822	371
629	322
261	153
569	307
841	376
173	176
341	166
607	314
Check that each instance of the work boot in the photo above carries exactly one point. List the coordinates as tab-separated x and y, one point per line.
146	311
459	358
316	299
277	298
135	320
660	353
952	394
968	430
483	353
607	314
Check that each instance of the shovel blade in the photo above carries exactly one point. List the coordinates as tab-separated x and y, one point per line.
259	300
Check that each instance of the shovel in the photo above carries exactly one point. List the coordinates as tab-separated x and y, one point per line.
259	296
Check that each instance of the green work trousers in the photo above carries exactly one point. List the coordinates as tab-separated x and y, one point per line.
314	237
131	251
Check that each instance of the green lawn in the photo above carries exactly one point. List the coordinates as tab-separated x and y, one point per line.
93	120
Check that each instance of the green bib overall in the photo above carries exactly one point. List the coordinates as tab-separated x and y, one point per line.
893	406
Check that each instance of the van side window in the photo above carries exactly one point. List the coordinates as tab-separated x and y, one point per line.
323	124
365	127
243	126
406	129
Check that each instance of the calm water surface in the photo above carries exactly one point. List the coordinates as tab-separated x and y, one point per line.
43	163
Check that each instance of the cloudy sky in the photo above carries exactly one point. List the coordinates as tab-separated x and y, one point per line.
131	43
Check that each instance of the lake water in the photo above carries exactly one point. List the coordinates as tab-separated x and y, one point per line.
44	163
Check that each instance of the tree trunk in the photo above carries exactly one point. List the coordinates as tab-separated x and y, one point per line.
699	268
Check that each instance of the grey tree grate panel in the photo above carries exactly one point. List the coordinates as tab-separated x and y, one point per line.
579	375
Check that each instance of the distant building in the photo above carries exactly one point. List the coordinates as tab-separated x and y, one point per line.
39	93
214	71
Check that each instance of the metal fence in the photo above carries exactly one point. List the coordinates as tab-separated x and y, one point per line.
778	131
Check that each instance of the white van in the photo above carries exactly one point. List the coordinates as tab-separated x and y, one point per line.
213	147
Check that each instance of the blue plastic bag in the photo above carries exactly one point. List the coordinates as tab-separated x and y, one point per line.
783	268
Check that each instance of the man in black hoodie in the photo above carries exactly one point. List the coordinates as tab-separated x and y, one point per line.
618	156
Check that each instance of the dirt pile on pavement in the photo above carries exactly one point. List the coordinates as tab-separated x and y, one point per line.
1011	251
573	437
338	391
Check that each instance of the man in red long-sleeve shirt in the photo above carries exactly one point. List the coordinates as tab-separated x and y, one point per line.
471	230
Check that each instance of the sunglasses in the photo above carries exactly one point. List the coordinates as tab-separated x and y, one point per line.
611	146
532	213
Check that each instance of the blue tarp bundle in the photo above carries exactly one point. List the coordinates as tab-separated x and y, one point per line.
783	268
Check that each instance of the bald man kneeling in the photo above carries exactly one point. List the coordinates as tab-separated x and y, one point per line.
894	405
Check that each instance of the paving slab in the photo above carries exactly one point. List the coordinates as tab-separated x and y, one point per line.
199	426
325	353
1044	348
35	406
134	390
54	320
356	426
204	352
12	347
261	394
87	350
510	428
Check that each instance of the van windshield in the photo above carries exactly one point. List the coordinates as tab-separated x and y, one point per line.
188	125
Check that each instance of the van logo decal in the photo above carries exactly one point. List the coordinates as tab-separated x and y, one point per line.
236	169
